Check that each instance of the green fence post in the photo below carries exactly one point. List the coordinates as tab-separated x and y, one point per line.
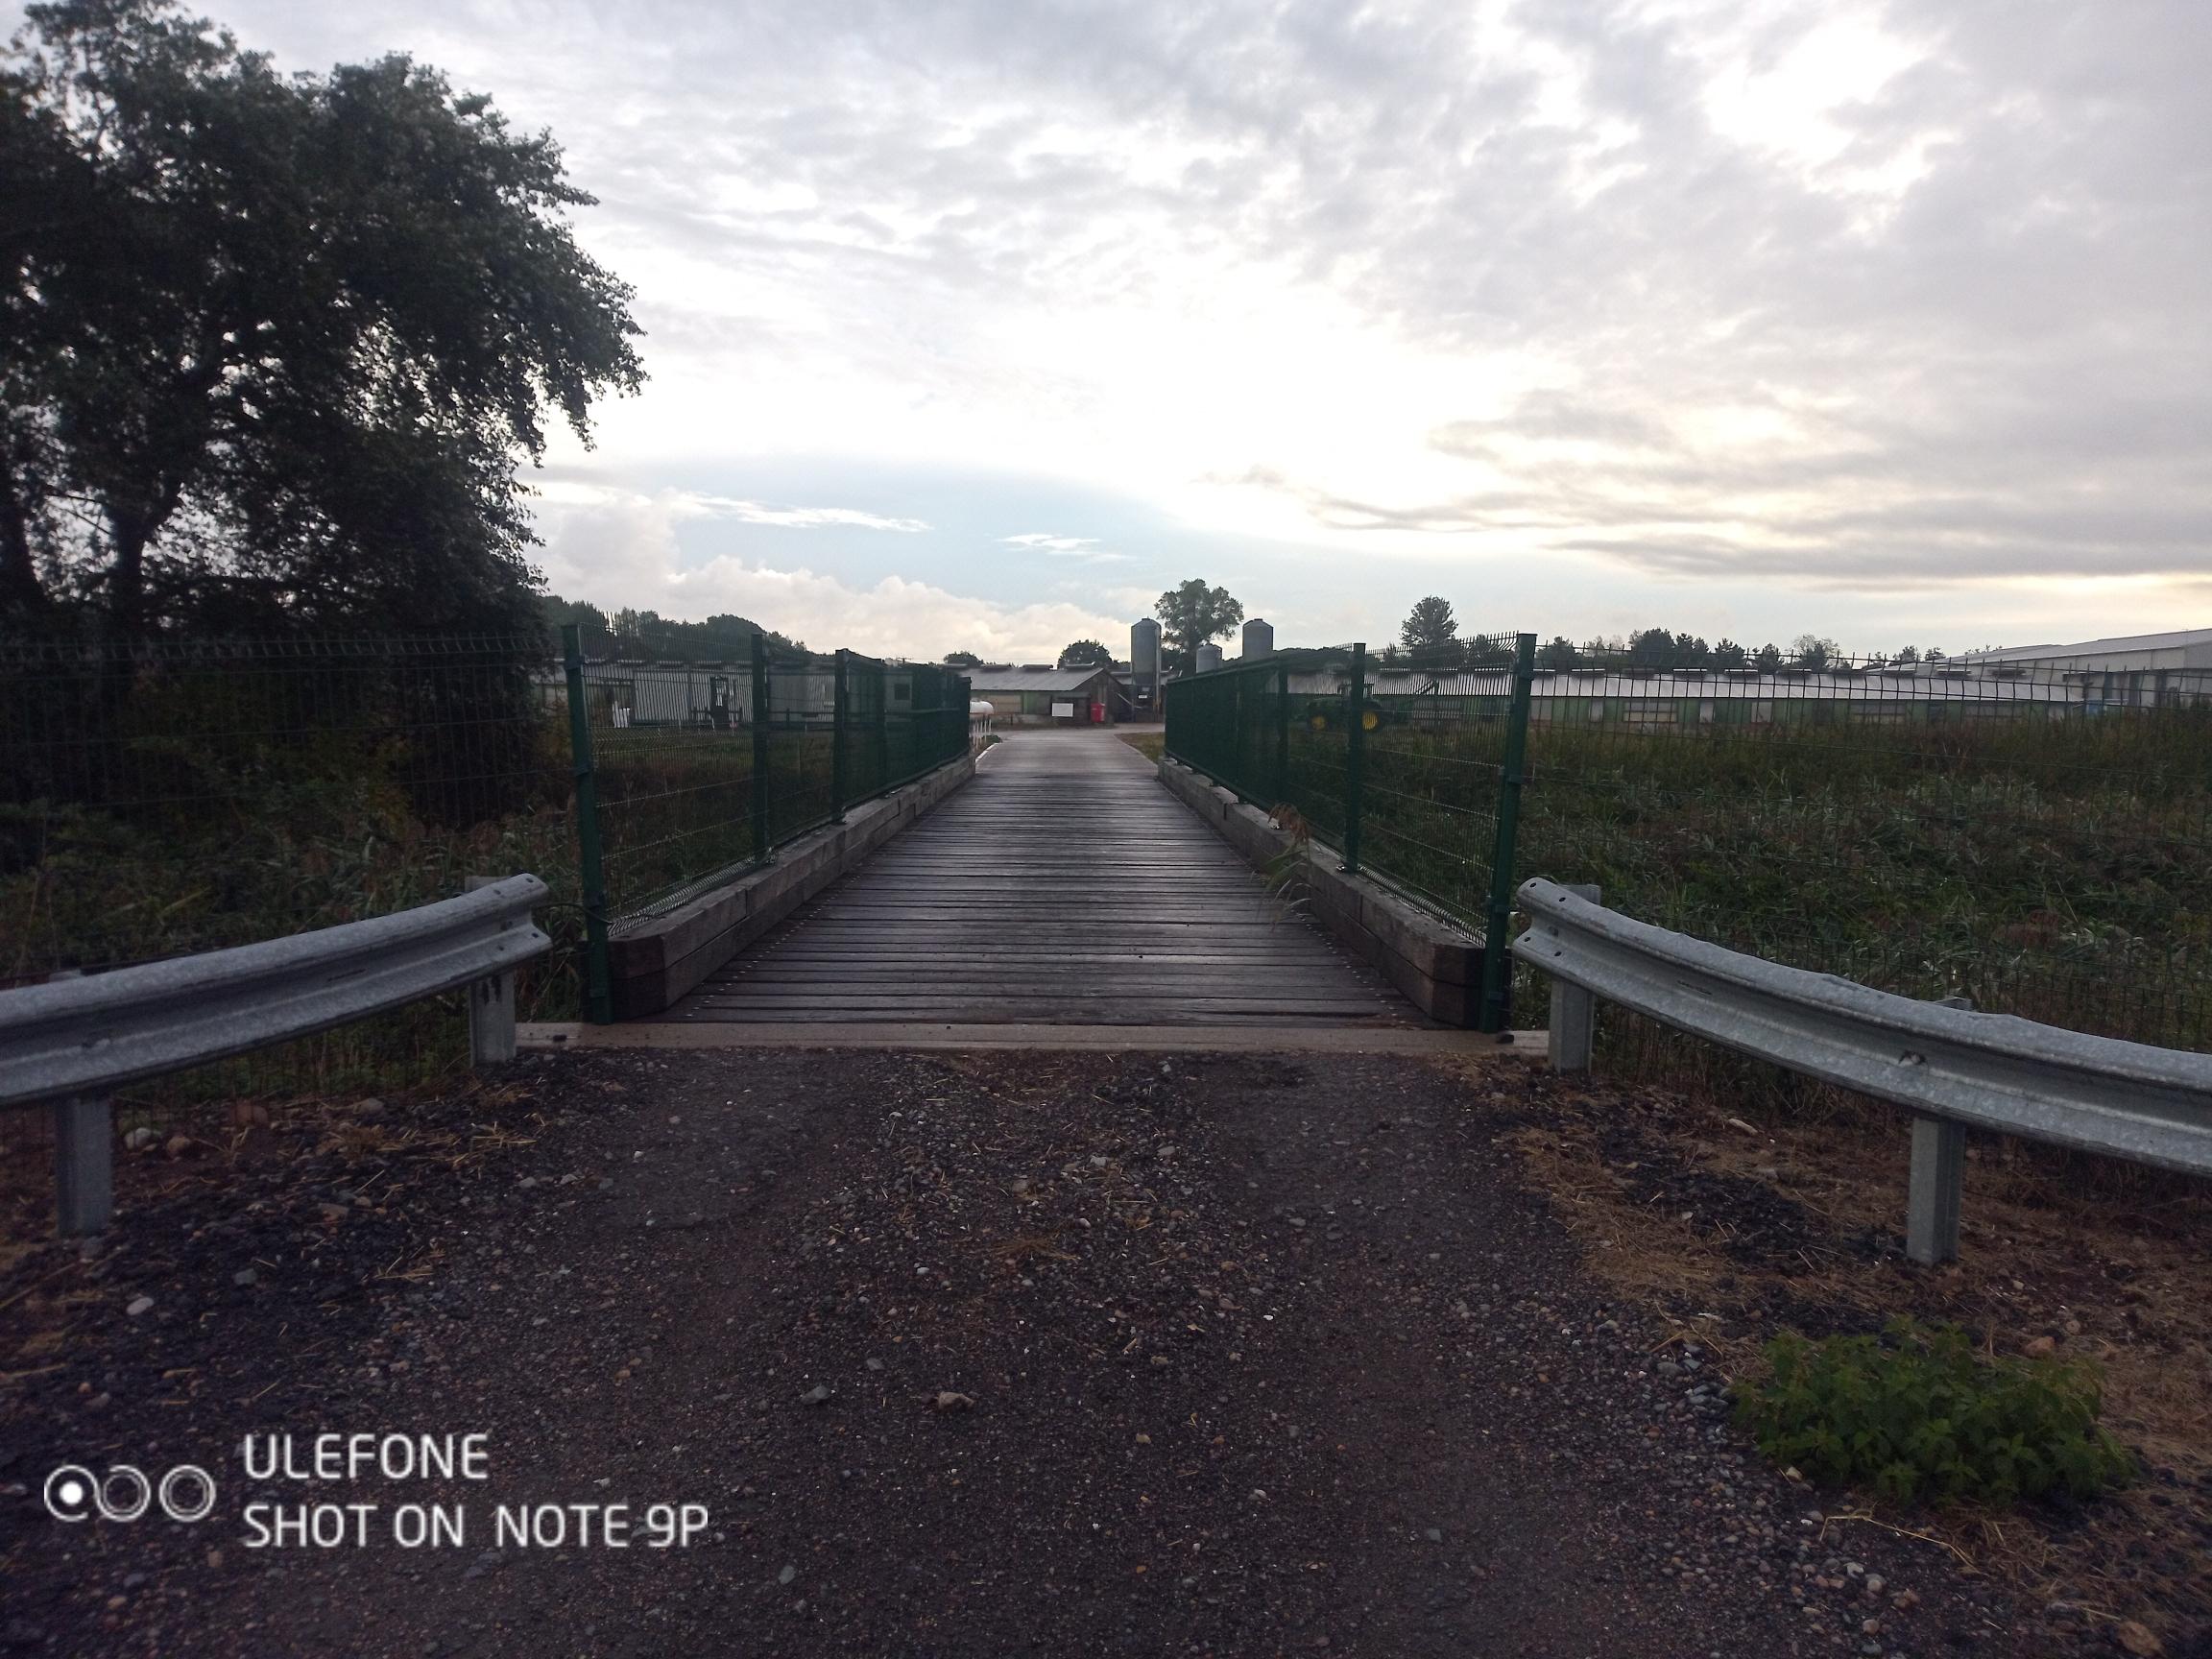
883	778
758	794
1354	755
590	864
1497	922
1281	737
838	713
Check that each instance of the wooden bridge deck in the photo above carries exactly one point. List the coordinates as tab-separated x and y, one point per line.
1061	886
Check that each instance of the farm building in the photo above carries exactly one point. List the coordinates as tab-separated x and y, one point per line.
706	695
1036	696
2135	671
1691	698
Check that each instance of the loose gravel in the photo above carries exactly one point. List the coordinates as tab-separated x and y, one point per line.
962	1355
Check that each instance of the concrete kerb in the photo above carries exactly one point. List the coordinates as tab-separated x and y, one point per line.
655	961
1436	966
552	1037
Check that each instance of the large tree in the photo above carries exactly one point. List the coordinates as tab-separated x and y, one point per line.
272	347
1085	654
1191	615
1430	635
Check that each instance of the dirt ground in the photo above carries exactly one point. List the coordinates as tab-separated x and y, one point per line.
958	1354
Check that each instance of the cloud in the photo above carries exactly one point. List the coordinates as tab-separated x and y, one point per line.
615	547
1862	295
692	504
1081	547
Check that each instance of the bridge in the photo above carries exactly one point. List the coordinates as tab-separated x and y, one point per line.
1061	886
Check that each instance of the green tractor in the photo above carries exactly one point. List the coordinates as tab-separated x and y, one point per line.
1326	714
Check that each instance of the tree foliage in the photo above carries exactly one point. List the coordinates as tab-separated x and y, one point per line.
655	638
1191	615
1085	654
1430	636
272	347
962	660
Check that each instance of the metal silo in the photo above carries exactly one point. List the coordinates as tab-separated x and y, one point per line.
1145	664
1259	640
1208	658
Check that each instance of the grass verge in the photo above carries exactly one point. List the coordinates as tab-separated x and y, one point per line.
1735	1227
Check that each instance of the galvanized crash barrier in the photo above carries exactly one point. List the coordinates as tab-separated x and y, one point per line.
1952	1068
75	1041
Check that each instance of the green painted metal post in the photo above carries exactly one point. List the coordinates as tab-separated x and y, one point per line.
1281	737
1354	755
1497	1012
883	778
839	709
763	752
590	871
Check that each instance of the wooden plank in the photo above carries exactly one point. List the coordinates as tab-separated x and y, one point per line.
1063	886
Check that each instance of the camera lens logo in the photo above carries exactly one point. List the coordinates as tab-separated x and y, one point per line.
74	1493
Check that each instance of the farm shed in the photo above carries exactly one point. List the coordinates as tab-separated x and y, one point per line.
1688	699
1037	695
2133	671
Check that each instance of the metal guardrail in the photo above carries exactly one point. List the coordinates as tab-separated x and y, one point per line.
75	1041
1952	1067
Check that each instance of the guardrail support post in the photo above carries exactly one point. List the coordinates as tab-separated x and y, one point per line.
84	1164
83	1155
1573	1025
1354	755
490	1009
1931	1206
1937	1184
592	870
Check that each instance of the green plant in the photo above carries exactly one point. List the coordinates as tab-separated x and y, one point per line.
1918	1412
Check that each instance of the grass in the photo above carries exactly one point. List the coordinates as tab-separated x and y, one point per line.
2058	870
306	830
1732	1225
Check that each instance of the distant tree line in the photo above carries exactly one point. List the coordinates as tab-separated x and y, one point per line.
655	638
1429	641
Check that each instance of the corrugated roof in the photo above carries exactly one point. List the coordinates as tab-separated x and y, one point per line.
1032	679
2181	640
1875	687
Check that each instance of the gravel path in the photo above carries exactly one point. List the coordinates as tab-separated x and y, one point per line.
962	1355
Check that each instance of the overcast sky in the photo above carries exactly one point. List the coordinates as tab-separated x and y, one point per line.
976	324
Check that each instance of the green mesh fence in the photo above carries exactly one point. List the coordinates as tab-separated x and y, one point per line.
2031	839
179	795
1400	766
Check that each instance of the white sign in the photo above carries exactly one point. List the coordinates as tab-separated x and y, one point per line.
1063	710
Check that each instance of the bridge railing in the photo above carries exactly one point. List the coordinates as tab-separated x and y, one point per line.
688	774
1410	766
75	1041
1950	1067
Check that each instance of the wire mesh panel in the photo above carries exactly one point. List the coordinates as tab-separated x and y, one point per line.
1421	747
673	755
704	768
174	797
2031	839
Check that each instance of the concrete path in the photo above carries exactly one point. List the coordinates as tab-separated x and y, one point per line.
1062	887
